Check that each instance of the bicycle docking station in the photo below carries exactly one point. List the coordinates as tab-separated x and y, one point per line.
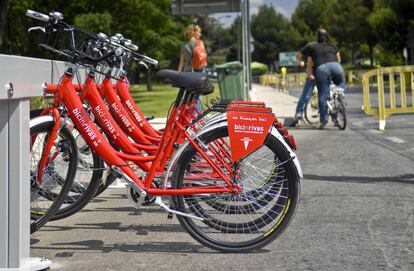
20	80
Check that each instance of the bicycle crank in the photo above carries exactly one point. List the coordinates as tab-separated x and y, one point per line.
135	196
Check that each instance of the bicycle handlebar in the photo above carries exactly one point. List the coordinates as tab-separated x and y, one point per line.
37	15
130	46
118	41
148	60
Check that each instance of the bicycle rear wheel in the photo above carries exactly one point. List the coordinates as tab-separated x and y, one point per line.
48	195
249	220
340	115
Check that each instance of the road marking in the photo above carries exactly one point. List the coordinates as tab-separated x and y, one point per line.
395	139
359	123
372	131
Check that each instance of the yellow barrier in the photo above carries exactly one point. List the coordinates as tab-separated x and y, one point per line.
270	79
292	79
387	76
296	79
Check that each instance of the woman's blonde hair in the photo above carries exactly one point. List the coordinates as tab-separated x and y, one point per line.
190	31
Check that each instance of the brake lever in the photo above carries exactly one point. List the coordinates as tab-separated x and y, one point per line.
41	28
143	64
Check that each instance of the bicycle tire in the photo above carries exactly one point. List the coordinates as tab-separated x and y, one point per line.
341	114
210	232
105	184
311	112
64	164
83	187
273	190
85	184
263	194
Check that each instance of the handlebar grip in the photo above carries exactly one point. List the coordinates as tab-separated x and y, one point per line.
131	46
37	15
150	61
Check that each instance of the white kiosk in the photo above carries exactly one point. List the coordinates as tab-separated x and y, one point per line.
20	79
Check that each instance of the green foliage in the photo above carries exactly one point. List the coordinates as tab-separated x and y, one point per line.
390	21
98	22
147	23
218	57
258	68
358	26
362	29
309	16
388	58
272	33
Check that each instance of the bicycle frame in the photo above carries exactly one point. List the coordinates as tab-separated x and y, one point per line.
122	89
67	94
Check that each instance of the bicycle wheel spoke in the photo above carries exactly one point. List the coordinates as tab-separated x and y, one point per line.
239	220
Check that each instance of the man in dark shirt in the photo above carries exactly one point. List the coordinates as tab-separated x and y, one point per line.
309	84
325	58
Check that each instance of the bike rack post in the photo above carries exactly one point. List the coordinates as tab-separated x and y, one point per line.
20	79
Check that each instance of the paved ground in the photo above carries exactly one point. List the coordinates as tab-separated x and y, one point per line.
356	210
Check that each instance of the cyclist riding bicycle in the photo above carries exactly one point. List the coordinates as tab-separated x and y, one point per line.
325	60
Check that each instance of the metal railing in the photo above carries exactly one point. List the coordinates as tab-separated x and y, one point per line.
387	81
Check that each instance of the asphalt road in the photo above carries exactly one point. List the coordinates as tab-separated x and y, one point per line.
356	213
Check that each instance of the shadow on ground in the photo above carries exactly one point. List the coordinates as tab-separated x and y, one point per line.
406	178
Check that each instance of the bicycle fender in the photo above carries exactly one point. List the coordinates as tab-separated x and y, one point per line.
220	122
38	120
214	119
292	154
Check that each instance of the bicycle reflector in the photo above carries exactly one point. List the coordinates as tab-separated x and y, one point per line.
291	141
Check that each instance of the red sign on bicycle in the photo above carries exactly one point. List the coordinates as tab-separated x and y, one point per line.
247	131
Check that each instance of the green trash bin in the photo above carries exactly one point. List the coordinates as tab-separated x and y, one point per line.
230	80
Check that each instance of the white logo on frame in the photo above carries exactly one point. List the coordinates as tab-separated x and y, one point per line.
246	140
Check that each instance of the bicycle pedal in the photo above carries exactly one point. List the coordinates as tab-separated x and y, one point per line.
170	214
116	173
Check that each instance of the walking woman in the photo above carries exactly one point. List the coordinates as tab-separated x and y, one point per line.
192	36
193	57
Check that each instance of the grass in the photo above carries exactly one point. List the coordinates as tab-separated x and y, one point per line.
158	101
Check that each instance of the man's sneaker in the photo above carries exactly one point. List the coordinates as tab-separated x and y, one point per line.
294	122
322	125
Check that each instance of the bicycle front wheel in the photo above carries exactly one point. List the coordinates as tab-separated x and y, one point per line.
88	178
312	110
245	221
48	194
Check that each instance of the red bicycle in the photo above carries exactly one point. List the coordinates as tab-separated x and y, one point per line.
235	183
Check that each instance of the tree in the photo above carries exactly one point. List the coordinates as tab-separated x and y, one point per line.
390	21
273	34
348	24
4	6
311	15
218	40
150	24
